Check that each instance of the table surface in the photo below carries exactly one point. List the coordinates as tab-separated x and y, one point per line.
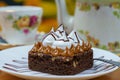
111	76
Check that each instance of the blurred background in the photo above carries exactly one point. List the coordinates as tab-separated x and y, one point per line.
49	18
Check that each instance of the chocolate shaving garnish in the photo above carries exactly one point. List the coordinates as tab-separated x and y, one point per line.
60	32
52	34
77	37
63	40
71	38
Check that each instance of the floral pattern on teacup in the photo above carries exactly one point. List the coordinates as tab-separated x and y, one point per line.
111	46
87	7
116	12
25	23
84	6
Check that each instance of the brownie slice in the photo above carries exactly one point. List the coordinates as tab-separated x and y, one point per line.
60	65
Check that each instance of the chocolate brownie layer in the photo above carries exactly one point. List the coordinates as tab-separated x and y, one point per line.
60	65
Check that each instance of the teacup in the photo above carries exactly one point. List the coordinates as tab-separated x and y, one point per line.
19	23
97	20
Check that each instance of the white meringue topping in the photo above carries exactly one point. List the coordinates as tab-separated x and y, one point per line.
74	37
60	31
60	39
49	39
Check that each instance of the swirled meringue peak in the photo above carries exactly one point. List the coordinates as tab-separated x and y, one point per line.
60	39
75	38
62	42
49	38
60	31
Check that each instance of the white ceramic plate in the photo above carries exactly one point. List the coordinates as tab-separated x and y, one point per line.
14	61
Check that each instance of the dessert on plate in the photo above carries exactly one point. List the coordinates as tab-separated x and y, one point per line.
61	54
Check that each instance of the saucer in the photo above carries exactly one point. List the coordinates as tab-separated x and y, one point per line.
4	44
